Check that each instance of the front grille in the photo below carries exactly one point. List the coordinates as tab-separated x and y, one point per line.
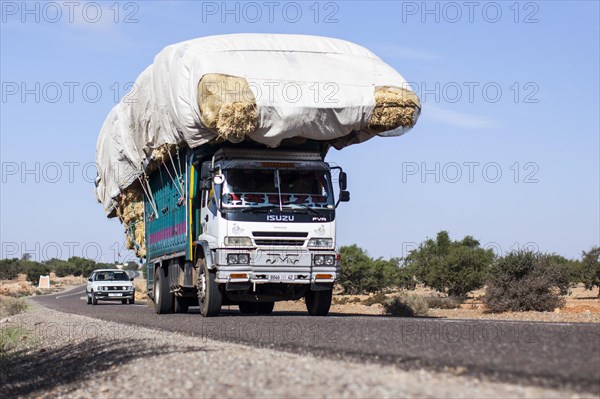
286	243
278	234
113	288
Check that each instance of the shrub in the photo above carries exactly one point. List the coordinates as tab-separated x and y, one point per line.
34	270
404	305
524	281
362	274
380	297
446	302
12	306
63	268
452	267
9	269
589	269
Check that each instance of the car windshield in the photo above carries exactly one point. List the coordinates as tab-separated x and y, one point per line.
112	276
261	187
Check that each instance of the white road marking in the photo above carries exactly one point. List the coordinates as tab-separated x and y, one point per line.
75	293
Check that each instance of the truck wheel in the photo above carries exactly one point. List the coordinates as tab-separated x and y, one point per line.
89	298
209	295
94	300
180	305
265	307
163	299
248	307
318	302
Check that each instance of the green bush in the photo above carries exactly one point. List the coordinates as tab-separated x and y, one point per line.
453	267
589	269
9	269
34	270
524	281
63	268
362	274
405	305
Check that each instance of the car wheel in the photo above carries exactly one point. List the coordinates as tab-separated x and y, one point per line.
163	298
265	307
248	307
94	300
318	302
123	301
89	298
132	300
180	305
210	297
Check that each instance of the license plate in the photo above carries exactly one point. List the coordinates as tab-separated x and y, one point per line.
114	294
282	277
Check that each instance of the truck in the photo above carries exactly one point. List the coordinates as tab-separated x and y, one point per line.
243	224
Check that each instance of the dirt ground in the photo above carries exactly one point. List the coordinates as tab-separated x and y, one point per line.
582	306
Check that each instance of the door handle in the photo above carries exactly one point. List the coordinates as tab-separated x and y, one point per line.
206	218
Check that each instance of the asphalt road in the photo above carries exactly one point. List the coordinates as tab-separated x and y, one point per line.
548	354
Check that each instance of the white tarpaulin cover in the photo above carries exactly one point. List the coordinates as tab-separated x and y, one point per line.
304	86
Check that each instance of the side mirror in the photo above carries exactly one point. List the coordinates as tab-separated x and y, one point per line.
131	279
90	279
344	196
343	181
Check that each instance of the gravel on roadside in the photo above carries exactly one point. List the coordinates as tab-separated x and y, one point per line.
65	355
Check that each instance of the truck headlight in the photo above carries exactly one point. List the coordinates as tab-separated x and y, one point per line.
238	241
320	260
320	243
238	259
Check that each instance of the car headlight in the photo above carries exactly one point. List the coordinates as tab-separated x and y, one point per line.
320	243
235	259
102	288
320	260
130	288
238	241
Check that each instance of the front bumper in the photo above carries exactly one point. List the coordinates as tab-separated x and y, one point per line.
116	296
277	266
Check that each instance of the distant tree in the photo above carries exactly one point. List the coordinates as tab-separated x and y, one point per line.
34	270
355	273
453	267
86	266
9	268
131	266
26	256
589	269
63	268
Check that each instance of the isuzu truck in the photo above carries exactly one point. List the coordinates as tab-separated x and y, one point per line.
243	225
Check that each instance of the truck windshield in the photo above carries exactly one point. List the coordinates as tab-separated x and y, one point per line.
258	187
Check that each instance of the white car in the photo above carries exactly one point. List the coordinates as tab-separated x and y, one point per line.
110	285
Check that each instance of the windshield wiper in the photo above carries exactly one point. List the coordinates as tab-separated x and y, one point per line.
260	208
308	208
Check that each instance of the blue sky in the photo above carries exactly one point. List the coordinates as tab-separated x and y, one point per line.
509	88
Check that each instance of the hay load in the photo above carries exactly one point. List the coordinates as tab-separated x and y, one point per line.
265	88
227	106
130	211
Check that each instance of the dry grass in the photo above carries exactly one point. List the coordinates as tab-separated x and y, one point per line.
394	107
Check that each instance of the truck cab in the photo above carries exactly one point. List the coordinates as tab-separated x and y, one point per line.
262	229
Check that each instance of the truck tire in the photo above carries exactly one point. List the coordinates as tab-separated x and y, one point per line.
209	295
180	305
94	300
318	302
265	307
163	299
248	307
